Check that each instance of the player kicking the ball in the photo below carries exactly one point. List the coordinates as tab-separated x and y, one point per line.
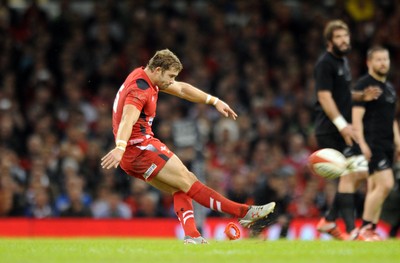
143	156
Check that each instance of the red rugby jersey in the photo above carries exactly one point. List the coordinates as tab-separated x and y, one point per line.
140	92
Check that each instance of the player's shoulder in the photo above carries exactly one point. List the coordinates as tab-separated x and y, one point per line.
137	79
324	60
367	80
142	84
363	82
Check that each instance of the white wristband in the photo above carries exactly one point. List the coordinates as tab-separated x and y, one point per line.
340	122
215	101
208	98
121	142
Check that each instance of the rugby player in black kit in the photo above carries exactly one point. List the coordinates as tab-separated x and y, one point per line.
377	132
333	127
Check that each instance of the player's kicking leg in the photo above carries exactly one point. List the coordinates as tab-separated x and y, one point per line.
176	175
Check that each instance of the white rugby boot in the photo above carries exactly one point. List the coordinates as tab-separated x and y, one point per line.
256	213
194	240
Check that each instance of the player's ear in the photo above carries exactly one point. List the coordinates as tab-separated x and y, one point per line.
158	70
329	44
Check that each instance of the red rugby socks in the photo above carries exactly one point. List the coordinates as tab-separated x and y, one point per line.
209	198
184	210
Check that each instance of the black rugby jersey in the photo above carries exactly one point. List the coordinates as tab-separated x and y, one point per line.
379	114
333	74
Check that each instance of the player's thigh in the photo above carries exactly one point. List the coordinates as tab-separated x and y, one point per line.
175	174
380	168
163	186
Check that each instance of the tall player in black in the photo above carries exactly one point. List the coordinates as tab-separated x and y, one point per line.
333	127
377	132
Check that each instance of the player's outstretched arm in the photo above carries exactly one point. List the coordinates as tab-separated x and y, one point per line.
369	93
189	92
225	110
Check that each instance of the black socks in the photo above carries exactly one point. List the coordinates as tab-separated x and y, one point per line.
347	209
332	213
344	203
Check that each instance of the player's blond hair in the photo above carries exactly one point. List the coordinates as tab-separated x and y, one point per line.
166	60
332	26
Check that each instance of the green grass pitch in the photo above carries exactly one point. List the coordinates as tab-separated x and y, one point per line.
116	250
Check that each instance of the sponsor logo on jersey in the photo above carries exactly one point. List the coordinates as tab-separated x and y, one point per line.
149	171
382	163
390	96
136	141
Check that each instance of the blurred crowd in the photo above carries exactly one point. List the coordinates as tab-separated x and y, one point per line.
61	68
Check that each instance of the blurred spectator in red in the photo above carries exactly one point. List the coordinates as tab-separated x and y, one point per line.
304	206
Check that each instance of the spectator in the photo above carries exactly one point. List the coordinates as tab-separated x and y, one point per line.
76	207
275	187
138	188
111	206
74	189
41	206
148	206
304	206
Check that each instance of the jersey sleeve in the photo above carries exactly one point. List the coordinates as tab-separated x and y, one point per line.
324	76
137	98
359	86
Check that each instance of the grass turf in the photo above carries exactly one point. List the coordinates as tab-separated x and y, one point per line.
171	250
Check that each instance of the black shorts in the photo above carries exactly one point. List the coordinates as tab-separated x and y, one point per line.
381	159
336	141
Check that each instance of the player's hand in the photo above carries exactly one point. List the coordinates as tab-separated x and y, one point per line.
371	93
348	135
225	110
112	158
366	151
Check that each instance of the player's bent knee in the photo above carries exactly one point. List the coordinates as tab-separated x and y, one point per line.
190	177
187	179
386	187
